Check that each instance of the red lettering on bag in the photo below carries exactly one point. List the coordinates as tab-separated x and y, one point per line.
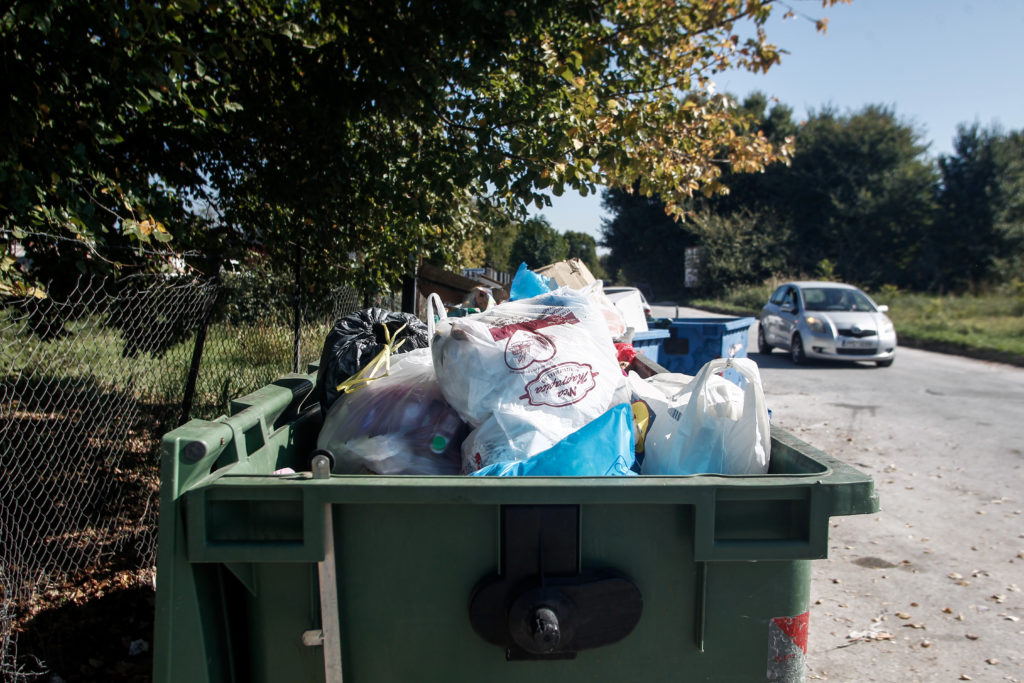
505	331
561	385
525	348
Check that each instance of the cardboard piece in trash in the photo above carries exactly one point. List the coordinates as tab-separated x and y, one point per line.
569	273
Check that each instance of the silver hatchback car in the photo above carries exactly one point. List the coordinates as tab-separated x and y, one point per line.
827	320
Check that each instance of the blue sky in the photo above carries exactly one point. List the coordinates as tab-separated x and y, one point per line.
937	63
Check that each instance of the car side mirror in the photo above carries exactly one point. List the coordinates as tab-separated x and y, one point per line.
788	307
883	309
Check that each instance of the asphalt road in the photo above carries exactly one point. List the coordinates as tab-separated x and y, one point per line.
930	588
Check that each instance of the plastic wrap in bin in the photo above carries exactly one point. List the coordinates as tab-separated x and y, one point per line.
447	578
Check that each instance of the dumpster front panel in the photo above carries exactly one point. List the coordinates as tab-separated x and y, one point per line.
406	575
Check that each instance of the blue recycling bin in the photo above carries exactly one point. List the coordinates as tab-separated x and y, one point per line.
651	343
692	342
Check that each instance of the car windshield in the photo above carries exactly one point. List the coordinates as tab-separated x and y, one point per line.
835	299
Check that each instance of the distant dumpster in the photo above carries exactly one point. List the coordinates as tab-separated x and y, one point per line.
651	343
267	575
692	342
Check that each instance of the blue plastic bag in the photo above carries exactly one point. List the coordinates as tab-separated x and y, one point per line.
528	284
601	448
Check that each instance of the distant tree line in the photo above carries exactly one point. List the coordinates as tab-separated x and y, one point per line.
861	200
506	243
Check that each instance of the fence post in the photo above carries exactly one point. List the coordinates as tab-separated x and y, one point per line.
297	324
197	353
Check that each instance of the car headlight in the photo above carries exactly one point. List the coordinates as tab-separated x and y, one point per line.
886	327
817	325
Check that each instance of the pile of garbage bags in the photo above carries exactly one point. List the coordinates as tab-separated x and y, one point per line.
545	384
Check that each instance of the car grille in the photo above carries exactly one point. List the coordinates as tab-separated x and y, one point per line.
856	352
858	333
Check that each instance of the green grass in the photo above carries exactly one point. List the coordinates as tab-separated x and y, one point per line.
991	322
90	360
988	325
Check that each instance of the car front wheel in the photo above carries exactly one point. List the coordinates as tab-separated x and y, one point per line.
762	344
884	363
796	351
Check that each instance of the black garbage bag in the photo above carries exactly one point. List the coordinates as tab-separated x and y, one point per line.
356	339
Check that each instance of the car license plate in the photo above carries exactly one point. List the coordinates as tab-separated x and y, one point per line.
856	343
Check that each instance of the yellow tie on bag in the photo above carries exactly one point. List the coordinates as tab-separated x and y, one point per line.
372	369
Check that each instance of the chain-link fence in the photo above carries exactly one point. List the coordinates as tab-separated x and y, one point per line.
89	385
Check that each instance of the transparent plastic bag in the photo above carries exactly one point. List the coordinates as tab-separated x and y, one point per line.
612	316
396	424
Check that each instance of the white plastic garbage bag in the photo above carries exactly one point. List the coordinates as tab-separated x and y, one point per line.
709	424
527	373
613	317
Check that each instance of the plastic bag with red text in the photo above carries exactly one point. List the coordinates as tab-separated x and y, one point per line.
534	370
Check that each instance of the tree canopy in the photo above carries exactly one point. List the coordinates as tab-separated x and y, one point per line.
979	230
647	246
363	132
537	244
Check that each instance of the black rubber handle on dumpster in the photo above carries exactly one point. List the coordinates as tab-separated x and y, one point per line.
541	605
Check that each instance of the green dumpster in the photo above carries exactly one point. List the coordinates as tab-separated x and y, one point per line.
265	575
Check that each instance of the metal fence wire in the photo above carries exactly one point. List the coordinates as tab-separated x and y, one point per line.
89	385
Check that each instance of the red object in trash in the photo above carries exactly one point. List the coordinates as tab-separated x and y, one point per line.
626	355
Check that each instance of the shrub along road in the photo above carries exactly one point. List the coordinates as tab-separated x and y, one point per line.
929	588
